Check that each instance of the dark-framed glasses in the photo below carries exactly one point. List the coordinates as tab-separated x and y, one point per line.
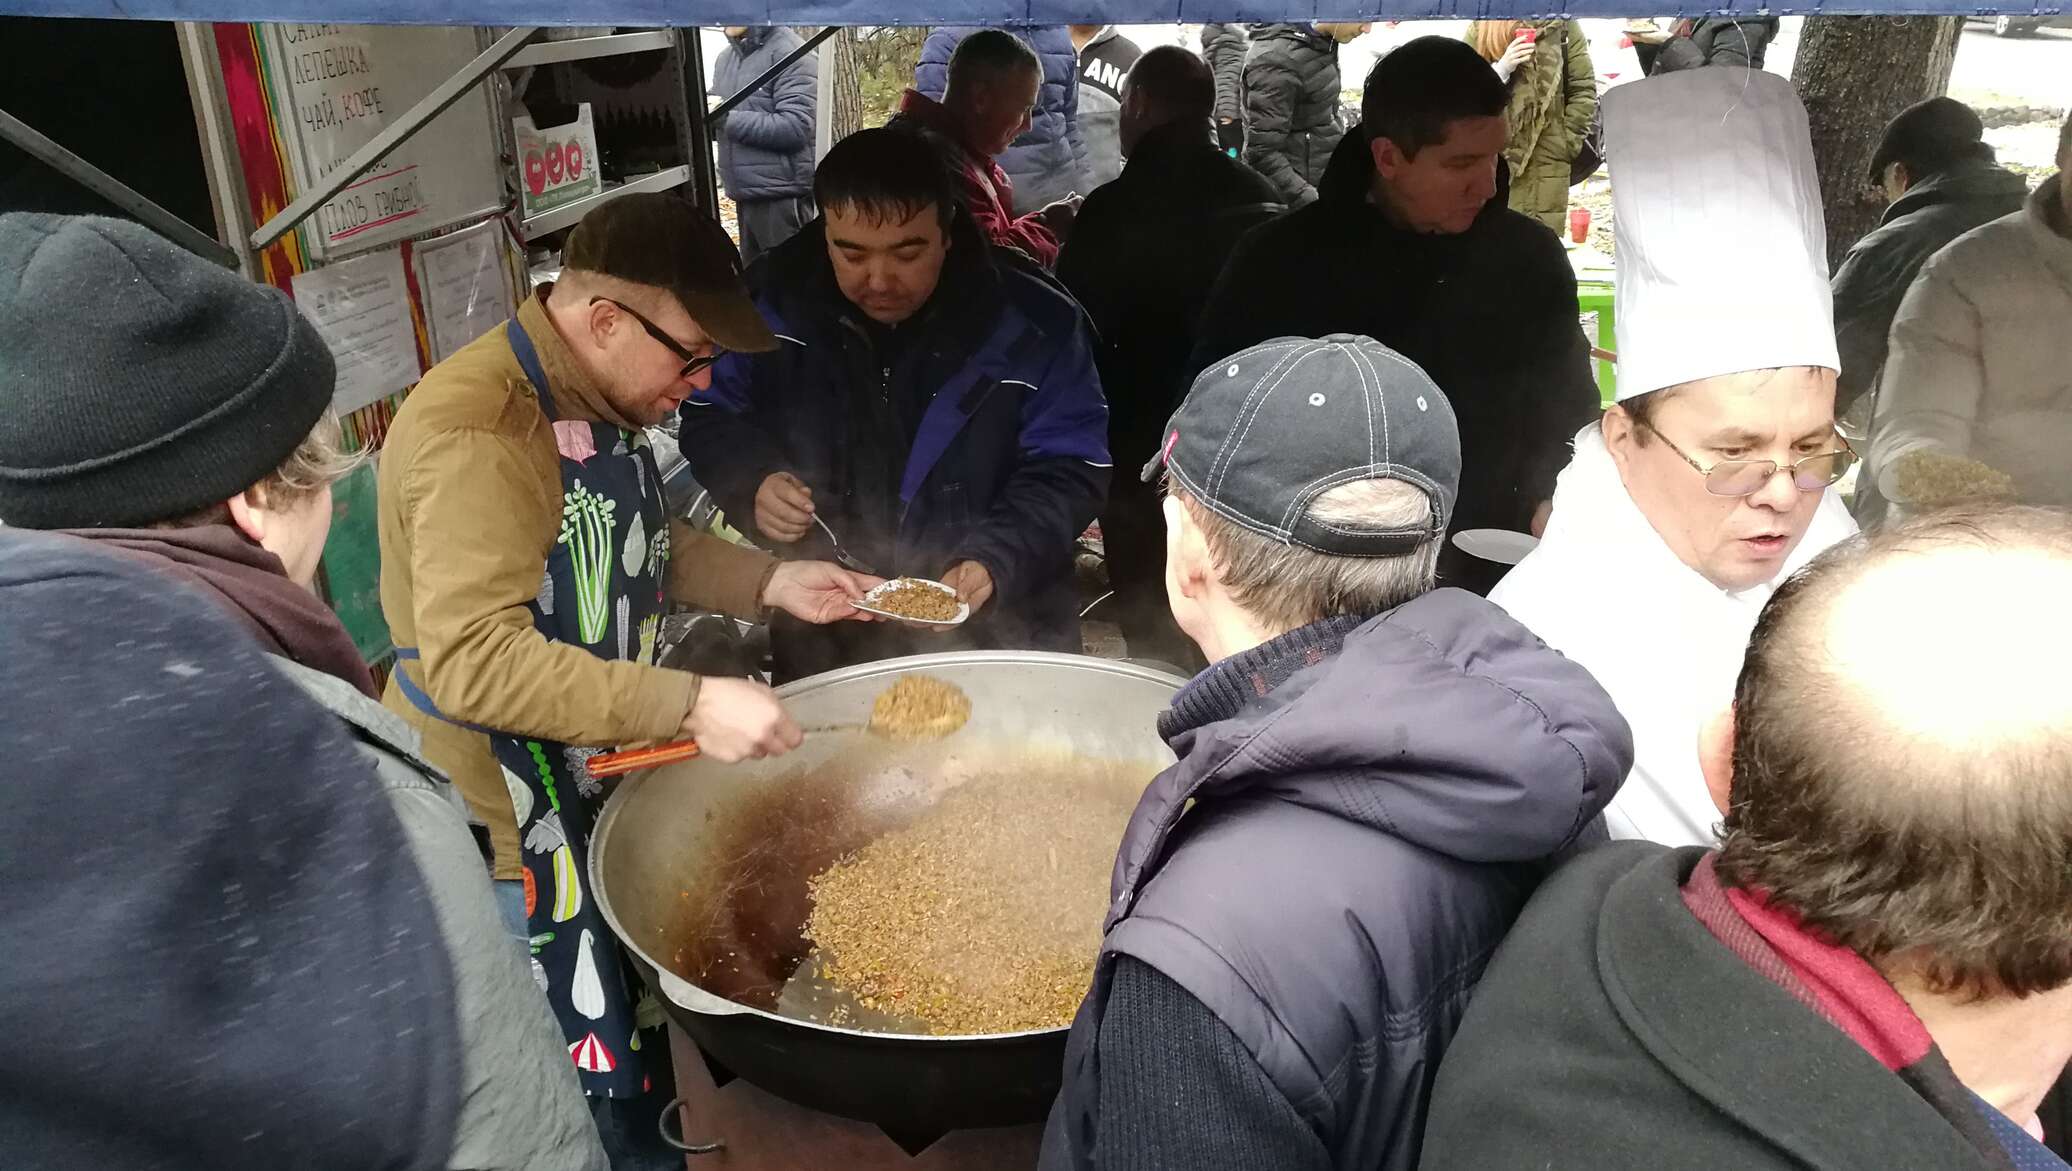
692	361
1746	477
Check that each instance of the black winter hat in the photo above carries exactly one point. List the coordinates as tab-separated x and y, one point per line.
138	381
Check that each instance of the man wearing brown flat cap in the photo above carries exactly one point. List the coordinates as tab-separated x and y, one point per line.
527	560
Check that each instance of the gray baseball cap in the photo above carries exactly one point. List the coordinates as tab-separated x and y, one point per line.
1266	431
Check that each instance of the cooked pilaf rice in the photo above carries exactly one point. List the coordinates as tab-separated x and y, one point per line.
912	598
984	916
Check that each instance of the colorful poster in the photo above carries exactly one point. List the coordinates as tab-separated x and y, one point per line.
362	308
558	164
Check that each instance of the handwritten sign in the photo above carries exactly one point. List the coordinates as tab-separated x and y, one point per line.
559	164
336	87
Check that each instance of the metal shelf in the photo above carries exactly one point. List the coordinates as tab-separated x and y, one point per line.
567	215
582	48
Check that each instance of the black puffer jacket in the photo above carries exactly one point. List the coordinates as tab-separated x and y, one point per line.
1490	314
1223	47
1291	108
1876	274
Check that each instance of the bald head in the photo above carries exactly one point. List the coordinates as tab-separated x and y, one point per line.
1902	759
1166	85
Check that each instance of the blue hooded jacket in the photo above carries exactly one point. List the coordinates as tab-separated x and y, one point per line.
1049	162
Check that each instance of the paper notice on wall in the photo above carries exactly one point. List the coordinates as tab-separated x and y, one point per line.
465	286
362	308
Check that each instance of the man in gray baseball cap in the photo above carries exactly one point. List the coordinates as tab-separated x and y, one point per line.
1373	775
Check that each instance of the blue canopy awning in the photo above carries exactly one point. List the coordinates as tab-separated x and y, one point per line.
711	13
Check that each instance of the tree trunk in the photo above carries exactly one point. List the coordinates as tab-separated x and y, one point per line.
1856	73
845	113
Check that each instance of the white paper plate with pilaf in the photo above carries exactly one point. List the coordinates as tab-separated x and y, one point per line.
906	599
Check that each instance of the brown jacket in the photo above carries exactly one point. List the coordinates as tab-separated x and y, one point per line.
470	507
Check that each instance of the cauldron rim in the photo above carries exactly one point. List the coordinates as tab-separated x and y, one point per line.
690	997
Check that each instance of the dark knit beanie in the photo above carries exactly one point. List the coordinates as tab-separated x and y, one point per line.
140	382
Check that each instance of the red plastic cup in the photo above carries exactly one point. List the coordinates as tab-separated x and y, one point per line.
1579	224
1529	35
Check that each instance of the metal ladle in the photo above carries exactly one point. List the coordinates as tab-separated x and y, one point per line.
915	709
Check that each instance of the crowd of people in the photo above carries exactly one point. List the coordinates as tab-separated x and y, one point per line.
1714	833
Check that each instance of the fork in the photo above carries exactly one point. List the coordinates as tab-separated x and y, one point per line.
842	555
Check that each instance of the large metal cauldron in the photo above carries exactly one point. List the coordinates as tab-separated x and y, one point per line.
702	868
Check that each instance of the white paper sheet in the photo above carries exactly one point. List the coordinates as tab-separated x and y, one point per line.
362	308
465	288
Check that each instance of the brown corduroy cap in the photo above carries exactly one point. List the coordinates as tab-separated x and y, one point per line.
658	240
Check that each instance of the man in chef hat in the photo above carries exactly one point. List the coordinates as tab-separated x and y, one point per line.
1709	481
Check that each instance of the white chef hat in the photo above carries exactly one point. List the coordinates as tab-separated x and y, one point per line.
1721	248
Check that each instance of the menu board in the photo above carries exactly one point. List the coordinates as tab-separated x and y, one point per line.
336	86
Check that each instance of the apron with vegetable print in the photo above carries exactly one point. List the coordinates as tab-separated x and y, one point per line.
603	592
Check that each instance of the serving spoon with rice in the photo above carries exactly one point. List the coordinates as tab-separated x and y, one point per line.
916	709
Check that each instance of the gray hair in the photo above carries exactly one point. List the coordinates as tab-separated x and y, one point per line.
1286	586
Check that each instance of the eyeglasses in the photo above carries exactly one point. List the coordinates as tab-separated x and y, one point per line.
692	362
1746	477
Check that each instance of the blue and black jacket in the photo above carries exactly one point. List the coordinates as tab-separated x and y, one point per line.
976	430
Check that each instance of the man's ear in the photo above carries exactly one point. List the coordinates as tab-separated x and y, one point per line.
1619	440
249	515
1716	758
1185	548
1387	159
604	318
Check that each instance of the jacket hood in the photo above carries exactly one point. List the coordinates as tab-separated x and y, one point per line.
1443	723
1978	179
